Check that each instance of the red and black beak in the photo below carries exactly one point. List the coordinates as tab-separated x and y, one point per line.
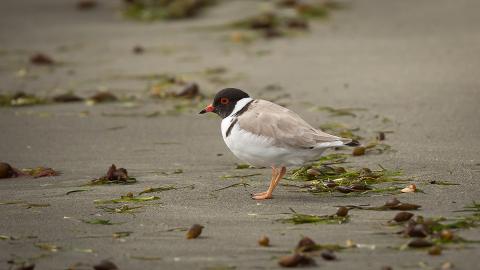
209	108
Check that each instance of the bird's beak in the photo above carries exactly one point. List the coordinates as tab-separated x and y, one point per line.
209	108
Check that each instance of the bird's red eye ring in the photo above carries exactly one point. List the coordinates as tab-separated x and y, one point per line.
224	100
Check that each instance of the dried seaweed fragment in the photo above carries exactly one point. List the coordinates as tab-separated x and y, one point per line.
127	198
21	99
99	221
340	111
114	176
40	172
390	204
48	246
67	98
298	218
151	10
323	178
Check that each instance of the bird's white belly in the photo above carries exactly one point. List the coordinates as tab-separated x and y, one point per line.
260	150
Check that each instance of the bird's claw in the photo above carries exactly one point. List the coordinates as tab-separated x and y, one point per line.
262	196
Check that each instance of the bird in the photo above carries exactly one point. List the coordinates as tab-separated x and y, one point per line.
265	134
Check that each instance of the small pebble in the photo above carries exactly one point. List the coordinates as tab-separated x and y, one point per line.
295	260
435	250
194	231
105	265
358	151
328	255
342	211
403	216
306	244
264	241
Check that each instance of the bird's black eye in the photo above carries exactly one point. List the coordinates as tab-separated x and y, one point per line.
224	100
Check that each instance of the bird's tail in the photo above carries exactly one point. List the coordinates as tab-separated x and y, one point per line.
352	143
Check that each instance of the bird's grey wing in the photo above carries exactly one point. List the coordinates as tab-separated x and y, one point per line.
282	125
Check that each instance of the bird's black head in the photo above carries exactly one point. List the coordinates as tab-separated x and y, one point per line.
225	101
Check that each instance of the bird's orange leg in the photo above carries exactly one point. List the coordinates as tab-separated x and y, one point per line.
272	180
282	173
276	176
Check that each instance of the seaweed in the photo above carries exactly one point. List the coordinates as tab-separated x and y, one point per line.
341	130
128	198
40	172
76	191
152	10
98	221
233	185
443	183
120	210
146	258
298	218
21	99
340	111
240	176
48	246
324	178
121	234
113	176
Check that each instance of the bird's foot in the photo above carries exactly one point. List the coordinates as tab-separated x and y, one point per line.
259	193
262	196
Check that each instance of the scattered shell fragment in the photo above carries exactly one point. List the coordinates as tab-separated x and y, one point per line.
330	184
418	230
41	59
119	174
6	171
358	151
68	97
405	206
447	266
381	136
446	235
392	202
264	241
105	265
435	250
342	211
366	172
138	49
194	231
350	244
296	23
403	216
313	172
359	187
306	244
86	4
26	266
419	243
295	260
102	97
328	255
409	188
344	189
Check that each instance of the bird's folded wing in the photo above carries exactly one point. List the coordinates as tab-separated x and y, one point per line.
283	126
